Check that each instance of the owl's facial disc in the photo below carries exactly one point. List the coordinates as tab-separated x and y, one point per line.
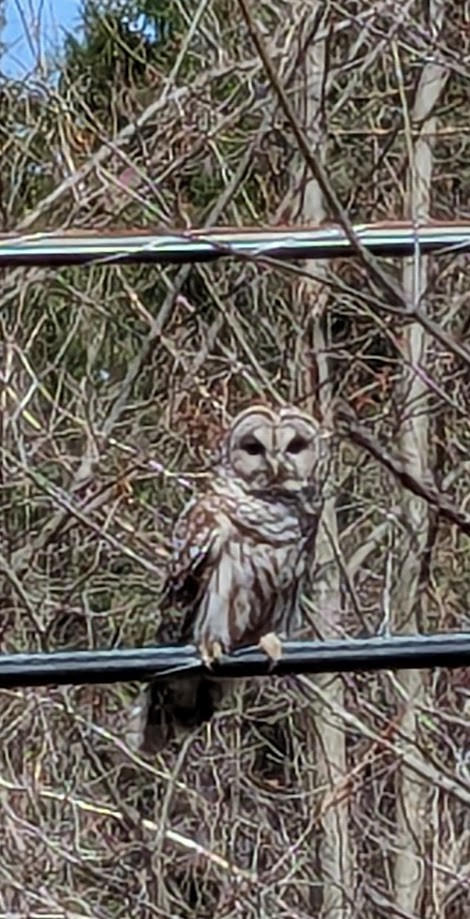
250	457
265	460
279	450
295	452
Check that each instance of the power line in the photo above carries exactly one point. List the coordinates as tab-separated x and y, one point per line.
407	652
174	246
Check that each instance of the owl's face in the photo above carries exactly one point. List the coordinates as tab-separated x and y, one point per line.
282	449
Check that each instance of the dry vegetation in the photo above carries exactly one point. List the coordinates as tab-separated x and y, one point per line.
333	798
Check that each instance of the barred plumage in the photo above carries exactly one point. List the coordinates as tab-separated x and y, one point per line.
241	550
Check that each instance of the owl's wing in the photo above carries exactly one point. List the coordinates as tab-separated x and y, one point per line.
192	560
167	706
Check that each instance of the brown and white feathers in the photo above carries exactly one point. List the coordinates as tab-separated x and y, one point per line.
241	551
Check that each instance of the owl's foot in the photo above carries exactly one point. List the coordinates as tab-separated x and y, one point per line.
271	645
210	651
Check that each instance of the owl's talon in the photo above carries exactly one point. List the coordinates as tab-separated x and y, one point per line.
210	652
271	645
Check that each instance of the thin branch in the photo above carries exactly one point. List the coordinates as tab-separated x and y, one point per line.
361	437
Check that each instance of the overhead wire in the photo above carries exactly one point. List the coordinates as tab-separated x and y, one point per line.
404	652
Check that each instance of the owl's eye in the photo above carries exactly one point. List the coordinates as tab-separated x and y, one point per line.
253	447
296	445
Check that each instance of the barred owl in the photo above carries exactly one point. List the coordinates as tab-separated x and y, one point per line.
241	551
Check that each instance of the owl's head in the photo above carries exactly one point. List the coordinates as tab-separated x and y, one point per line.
274	449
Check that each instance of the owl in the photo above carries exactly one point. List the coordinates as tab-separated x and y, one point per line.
242	550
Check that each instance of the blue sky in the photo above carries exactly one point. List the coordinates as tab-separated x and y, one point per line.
45	20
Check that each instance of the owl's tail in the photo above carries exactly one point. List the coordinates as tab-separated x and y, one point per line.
165	710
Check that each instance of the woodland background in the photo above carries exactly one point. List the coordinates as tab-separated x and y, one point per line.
330	797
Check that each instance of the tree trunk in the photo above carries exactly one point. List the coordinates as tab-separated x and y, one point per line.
412	794
327	739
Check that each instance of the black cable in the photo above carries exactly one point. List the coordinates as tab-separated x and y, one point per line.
79	667
177	246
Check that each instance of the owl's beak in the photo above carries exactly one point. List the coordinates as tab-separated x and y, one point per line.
275	467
